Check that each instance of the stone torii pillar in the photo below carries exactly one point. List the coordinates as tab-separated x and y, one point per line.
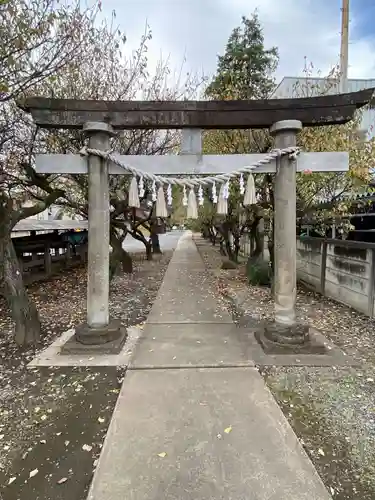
285	248
99	333
285	334
98	227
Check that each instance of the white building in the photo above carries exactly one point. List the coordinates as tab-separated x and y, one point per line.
53	213
293	87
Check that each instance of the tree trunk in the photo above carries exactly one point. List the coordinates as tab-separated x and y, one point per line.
155	243
23	310
257	237
222	247
213	234
206	233
119	257
148	250
127	262
237	247
229	250
229	236
138	235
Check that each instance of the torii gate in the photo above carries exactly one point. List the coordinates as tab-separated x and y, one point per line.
284	118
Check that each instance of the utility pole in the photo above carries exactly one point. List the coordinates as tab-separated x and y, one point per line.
344	52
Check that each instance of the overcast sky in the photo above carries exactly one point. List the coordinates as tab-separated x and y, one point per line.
199	29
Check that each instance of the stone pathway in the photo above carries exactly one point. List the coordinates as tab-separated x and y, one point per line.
194	419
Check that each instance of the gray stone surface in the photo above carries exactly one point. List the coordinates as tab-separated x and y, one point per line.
250	324
186	295
198	433
116	334
181	345
51	356
274	341
333	355
92	336
184	413
98	227
285	274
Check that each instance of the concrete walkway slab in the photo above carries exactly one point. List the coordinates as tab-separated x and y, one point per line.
184	414
187	296
185	345
198	433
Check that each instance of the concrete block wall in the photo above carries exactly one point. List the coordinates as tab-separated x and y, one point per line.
309	260
341	270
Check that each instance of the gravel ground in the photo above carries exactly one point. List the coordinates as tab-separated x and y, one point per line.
53	421
332	410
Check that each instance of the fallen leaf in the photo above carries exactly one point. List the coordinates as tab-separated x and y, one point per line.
321	452
62	480
101	420
228	430
11	480
162	454
33	473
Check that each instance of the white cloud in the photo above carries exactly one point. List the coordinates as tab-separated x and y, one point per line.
199	29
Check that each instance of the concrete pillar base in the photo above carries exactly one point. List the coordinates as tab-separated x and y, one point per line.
109	339
275	338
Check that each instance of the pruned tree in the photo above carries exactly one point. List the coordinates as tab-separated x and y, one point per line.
327	196
245	71
318	194
39	39
107	74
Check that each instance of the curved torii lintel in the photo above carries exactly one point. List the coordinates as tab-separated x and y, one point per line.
253	114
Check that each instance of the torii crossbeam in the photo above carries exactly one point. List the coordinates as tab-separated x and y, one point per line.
284	118
310	111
